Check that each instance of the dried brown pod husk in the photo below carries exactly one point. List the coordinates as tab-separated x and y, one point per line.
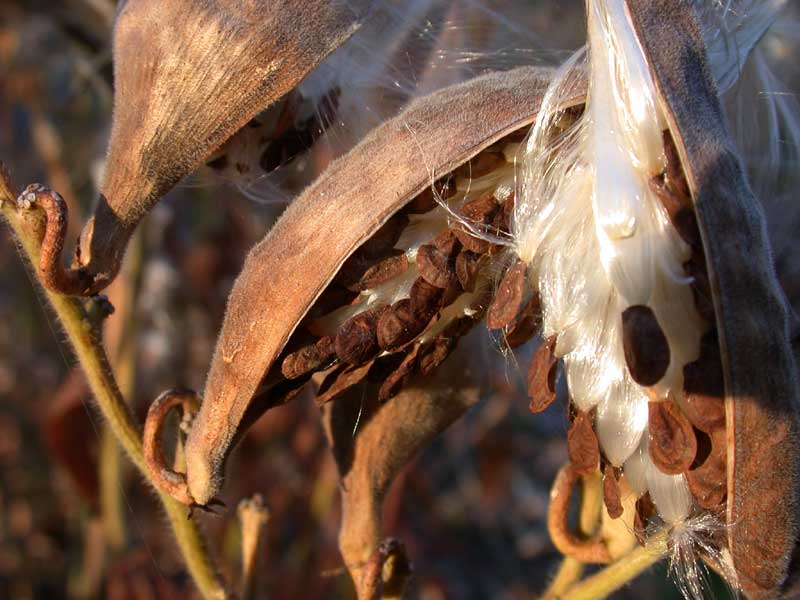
751	314
188	74
329	221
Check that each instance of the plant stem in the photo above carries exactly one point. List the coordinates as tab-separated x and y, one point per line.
621	572
27	227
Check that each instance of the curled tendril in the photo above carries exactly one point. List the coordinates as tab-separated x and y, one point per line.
165	477
588	550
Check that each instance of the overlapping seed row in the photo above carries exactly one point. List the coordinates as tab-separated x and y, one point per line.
401	301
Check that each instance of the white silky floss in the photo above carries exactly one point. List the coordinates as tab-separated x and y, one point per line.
598	241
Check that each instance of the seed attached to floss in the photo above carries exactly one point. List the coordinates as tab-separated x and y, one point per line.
478	212
400	325
468	265
673	445
646	349
704	388
542	376
708	481
510	295
582	447
383	271
357	341
436	266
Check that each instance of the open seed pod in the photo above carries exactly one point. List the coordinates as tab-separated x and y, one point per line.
648	251
363	272
189	74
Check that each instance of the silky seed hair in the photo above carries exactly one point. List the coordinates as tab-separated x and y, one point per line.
404	51
601	246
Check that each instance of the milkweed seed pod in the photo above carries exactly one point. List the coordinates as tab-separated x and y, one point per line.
648	251
403	51
375	279
188	74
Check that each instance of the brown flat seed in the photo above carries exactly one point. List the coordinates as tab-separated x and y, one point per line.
611	494
526	325
309	358
356	341
509	296
426	299
425	201
479	212
468	266
695	267
676	178
399	325
340	380
397	379
680	212
481	165
582	447
542	376
646	349
436	267
708	481
383	271
673	444
704	388
448	243
385	238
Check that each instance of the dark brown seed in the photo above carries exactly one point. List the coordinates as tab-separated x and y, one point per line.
526	325
509	296
646	348
478	212
704	387
395	381
701	289
611	493
426	299
448	244
675	175
436	267
708	481
673	445
357	341
582	447
542	376
309	358
680	212
425	201
383	241
399	325
468	266
481	165
340	380
383	271
503	217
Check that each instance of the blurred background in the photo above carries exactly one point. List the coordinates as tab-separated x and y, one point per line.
76	521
